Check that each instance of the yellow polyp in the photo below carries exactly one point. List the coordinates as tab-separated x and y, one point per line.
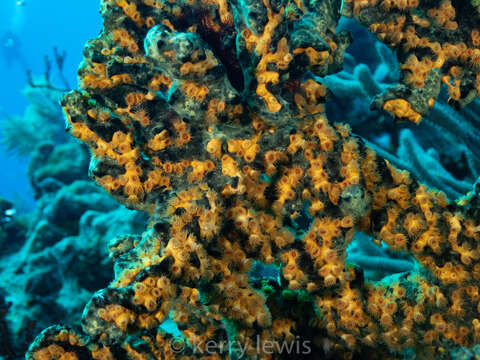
160	141
402	109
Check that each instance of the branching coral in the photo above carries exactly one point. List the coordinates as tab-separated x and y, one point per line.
442	151
207	115
436	42
42	120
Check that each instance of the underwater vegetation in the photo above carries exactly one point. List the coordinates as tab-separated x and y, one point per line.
44	121
210	116
62	247
43	118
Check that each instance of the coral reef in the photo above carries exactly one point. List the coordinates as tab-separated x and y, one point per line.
62	247
62	252
436	42
42	120
12	231
210	117
49	168
441	151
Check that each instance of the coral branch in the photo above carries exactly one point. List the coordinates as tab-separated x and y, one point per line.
235	175
436	43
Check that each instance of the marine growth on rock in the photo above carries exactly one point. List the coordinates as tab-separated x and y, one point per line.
209	115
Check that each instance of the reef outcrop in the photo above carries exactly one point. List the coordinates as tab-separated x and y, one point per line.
209	115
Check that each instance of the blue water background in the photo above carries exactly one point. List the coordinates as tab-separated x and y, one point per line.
39	25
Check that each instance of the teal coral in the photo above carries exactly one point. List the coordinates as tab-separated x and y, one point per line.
220	134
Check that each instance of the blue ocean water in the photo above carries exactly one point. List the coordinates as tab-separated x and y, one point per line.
28	31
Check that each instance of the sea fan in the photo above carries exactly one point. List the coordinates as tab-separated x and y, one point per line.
42	121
